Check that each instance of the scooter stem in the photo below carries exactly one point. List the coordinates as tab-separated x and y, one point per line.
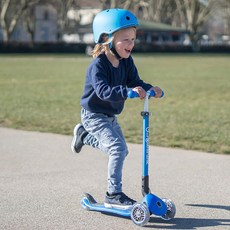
145	150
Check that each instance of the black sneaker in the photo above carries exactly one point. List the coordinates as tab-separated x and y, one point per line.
119	200
79	133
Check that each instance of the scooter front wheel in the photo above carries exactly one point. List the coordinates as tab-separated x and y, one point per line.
171	209
140	214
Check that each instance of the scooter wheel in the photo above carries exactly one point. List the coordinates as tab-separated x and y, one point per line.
171	209
83	204
140	214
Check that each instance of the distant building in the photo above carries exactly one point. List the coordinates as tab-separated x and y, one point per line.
151	34
46	25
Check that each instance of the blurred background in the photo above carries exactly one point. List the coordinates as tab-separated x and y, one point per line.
182	46
65	26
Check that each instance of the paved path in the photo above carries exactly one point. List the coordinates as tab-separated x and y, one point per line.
41	183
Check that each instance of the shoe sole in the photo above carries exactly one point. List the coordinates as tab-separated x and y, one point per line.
74	138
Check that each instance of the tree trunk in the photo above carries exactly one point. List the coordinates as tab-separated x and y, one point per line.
5	6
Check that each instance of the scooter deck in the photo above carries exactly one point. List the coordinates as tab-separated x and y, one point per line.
90	204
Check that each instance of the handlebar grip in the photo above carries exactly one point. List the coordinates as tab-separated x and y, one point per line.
133	94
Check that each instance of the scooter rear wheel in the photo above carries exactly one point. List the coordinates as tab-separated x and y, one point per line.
171	209
89	199
140	214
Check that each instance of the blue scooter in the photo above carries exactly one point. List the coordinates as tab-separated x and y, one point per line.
151	204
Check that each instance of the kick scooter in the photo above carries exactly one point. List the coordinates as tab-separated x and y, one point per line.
151	204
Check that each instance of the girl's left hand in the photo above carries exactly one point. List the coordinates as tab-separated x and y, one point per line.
157	90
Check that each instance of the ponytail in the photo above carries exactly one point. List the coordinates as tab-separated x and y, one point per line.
100	47
97	50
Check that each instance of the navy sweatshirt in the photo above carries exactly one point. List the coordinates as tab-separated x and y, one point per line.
105	89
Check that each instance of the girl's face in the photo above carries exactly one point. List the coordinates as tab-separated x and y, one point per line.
124	41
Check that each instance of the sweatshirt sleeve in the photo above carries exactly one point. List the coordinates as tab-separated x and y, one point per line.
133	77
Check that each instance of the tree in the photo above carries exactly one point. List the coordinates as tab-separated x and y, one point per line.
225	5
11	12
131	5
193	15
63	6
157	10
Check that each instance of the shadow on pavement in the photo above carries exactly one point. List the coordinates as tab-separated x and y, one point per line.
191	223
227	208
187	223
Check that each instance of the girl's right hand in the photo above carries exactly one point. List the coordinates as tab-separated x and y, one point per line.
140	91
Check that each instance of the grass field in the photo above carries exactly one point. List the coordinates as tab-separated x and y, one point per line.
42	92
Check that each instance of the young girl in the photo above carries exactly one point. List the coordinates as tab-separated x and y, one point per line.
105	91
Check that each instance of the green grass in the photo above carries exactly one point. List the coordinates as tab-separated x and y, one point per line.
42	92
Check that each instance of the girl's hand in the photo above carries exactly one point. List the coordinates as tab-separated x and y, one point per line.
140	91
157	90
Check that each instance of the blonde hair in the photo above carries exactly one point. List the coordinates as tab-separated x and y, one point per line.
97	50
100	47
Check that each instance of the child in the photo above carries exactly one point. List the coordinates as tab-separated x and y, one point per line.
105	91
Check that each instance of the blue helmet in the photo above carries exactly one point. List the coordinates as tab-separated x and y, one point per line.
111	20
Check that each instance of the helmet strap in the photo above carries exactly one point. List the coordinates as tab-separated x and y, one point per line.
113	50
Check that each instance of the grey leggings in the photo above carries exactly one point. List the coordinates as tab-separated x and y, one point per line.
106	135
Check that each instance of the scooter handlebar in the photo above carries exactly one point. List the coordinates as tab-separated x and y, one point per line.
133	94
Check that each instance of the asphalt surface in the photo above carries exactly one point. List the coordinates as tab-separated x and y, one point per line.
42	182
